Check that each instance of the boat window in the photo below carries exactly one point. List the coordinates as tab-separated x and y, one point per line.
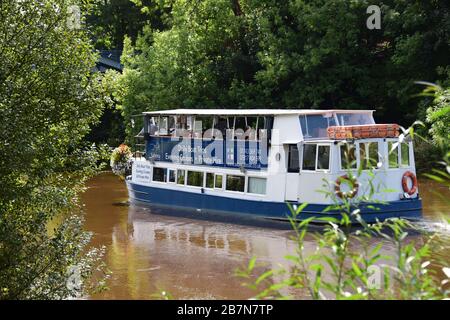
152	126
393	154
172	175
181	176
159	174
195	178
198	128
315	126
163	126
309	157
348	156
239	128
209	180
264	125
171	125
404	150
218	183
293	161
190	122
351	119
235	183
368	155
222	125
257	185
251	127
323	157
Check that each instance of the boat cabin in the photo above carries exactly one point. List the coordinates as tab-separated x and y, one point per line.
270	155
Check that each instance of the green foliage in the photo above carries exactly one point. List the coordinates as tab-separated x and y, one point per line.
348	263
438	115
293	54
48	100
111	20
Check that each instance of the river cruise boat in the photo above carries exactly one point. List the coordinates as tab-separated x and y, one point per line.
256	162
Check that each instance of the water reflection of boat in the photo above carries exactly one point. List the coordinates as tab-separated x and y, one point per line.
191	258
254	161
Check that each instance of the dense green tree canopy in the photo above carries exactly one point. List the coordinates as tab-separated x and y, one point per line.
48	100
111	20
289	54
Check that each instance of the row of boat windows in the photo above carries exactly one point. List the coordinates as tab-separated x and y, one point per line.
240	127
210	180
370	157
316	157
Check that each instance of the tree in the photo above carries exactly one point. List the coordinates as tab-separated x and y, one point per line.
48	100
111	20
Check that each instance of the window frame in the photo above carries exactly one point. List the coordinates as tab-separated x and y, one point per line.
206	180
168	175
194	186
302	157
289	146
329	157
184	176
236	175
408	144
398	154
339	145
367	153
164	175
247	184
215	177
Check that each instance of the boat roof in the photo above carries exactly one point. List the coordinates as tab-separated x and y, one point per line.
251	112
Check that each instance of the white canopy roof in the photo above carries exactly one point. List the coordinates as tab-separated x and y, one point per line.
250	112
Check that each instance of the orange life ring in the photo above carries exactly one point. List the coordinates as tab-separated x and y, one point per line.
349	194
413	189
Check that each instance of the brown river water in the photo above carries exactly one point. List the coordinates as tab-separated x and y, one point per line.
191	257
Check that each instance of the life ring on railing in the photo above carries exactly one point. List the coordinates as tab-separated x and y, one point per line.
349	194
413	189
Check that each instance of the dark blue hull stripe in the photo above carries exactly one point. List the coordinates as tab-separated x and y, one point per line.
410	208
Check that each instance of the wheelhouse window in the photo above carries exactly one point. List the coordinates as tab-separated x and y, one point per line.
195	178
235	183
257	185
159	174
351	119
172	176
163	126
309	157
323	157
404	154
181	176
293	161
348	156
315	126
368	155
393	154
